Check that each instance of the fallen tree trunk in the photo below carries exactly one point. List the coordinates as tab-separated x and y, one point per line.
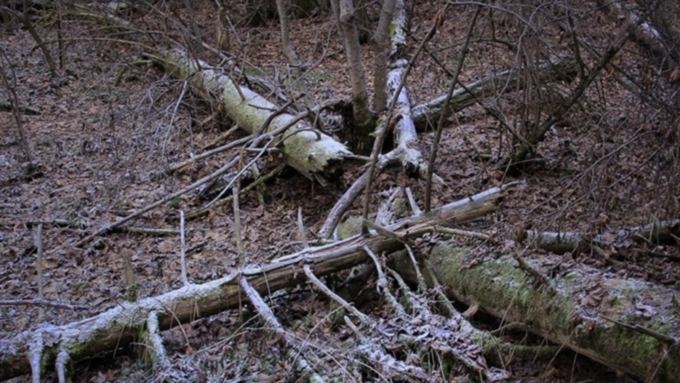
305	149
650	36
562	69
405	150
33	350
626	324
405	137
560	243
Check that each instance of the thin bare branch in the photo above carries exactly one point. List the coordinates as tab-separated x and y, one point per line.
443	115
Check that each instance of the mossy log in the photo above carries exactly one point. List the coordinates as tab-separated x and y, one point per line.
629	325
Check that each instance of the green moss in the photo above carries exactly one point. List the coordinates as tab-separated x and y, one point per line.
318	76
500	283
349	227
392	29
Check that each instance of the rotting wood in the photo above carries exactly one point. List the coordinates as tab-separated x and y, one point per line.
579	307
121	325
405	149
308	151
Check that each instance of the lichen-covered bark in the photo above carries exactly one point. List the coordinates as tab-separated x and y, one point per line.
122	324
308	151
578	307
406	149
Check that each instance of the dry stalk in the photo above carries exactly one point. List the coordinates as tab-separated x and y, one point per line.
345	202
439	291
408	294
147	231
256	183
422	286
412	202
464	233
184	164
237	228
383	285
301	229
238	175
183	249
293	58
39	264
129	276
171	124
268	316
539	133
41	303
197	32
25	18
321	286
222	137
162	201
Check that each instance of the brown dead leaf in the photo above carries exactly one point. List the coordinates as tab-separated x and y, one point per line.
439	18
675	75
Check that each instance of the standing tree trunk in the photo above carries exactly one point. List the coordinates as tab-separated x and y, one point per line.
381	47
359	134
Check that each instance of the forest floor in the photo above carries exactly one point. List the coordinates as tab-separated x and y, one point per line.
112	119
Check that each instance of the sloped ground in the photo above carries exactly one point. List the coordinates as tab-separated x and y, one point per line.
112	120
